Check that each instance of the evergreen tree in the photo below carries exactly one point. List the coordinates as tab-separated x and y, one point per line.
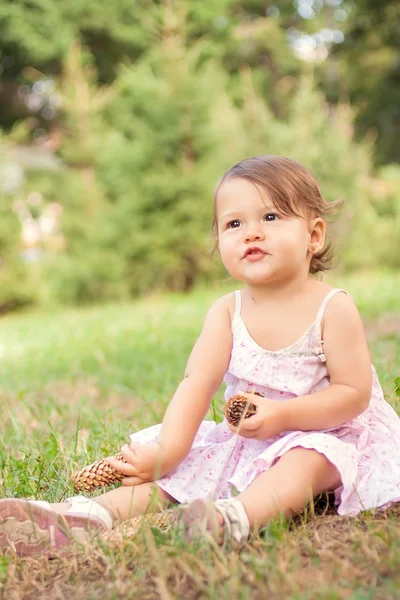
142	169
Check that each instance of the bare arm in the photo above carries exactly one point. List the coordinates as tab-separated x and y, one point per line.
203	376
349	368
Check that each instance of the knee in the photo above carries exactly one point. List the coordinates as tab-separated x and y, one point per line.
303	458
313	467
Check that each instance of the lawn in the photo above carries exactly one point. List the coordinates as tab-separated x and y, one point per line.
76	382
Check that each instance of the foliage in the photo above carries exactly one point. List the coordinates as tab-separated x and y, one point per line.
141	171
35	37
365	68
152	102
378	221
16	289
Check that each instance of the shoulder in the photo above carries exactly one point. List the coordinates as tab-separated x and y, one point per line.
341	304
342	312
338	303
216	334
219	315
224	306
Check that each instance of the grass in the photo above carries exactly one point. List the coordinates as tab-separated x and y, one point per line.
76	382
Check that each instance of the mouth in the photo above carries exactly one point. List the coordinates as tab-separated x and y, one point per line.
254	252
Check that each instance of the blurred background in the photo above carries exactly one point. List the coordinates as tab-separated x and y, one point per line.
117	119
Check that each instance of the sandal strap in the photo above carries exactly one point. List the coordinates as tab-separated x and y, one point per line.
236	521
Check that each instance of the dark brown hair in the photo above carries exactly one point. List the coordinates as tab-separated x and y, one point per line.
293	190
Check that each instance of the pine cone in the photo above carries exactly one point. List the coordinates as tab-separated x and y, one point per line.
99	474
237	405
163	520
127	529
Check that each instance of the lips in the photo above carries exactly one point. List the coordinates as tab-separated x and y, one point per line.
254	252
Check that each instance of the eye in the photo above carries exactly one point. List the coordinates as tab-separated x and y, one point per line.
271	217
233	224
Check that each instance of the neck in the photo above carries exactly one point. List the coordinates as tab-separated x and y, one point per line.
279	291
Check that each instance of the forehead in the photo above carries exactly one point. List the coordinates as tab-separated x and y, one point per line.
239	195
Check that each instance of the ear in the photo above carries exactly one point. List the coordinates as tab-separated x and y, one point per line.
317	235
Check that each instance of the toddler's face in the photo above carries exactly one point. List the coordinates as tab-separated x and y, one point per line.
257	244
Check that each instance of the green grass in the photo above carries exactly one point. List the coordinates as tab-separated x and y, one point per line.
376	293
76	382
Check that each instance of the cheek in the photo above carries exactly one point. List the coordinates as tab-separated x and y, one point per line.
227	247
293	239
223	250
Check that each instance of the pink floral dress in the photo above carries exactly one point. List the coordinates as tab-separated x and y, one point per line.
365	450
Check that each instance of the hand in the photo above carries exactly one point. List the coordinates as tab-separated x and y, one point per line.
268	421
143	463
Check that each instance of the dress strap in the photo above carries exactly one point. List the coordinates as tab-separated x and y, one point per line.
238	303
324	304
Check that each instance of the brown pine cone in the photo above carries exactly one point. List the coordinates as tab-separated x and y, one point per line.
127	529
98	474
237	405
162	520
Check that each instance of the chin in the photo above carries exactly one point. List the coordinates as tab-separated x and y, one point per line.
262	280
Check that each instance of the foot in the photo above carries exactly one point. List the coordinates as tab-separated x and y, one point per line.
31	527
225	521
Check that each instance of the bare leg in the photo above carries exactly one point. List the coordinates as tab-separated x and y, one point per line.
126	502
299	476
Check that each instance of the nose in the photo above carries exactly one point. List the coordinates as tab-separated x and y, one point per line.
254	233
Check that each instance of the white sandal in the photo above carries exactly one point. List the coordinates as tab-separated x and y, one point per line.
32	526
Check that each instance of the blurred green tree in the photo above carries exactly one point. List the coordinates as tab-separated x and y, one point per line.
16	289
366	69
143	158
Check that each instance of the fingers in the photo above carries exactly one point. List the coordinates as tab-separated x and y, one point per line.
125	468
128	454
251	423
